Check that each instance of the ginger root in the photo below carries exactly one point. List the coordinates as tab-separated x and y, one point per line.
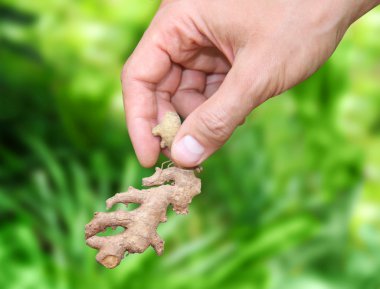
141	224
167	129
171	186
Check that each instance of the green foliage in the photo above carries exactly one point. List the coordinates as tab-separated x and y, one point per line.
292	201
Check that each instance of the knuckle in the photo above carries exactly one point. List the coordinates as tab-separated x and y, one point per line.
215	126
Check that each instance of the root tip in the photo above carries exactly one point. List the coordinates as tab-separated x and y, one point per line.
110	261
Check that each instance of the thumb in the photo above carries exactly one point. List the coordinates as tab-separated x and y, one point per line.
209	126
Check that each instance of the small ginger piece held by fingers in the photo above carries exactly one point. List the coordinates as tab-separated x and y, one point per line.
171	186
167	129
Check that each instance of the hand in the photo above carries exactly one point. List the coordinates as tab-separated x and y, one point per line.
215	61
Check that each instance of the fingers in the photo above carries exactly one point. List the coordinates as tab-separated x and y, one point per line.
147	66
210	125
150	77
189	94
213	83
207	59
165	89
194	90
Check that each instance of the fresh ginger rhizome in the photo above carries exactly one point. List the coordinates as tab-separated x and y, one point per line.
171	186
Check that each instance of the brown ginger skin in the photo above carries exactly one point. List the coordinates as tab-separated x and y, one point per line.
141	224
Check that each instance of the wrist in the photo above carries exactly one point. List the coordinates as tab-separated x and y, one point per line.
359	8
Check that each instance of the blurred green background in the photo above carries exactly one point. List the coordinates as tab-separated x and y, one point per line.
292	201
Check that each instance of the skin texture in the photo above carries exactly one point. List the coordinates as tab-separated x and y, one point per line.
214	61
141	224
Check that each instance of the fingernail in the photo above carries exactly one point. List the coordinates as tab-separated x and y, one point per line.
188	150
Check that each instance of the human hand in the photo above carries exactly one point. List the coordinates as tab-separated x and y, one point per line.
215	61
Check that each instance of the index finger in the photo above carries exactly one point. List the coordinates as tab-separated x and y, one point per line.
145	68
